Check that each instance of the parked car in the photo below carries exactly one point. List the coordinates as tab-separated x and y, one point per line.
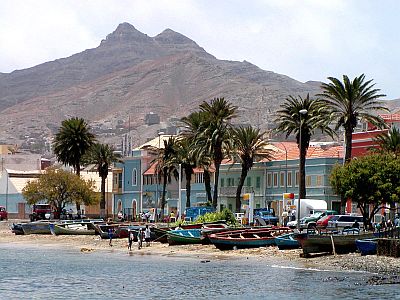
3	213
345	221
323	222
311	221
267	214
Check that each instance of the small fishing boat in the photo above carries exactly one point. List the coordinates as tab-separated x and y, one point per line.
160	234
367	246
341	243
208	229
286	241
37	227
73	229
184	237
17	229
247	238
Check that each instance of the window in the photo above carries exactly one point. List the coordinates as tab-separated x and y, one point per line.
308	180
275	179
297	178
289	179
269	179
198	178
258	182
134	177
248	181
320	180
222	182
282	179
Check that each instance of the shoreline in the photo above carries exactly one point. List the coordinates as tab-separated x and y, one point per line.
385	268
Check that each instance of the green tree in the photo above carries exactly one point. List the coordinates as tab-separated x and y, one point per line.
166	166
59	188
389	142
250	146
216	137
103	156
290	120
71	143
350	102
370	181
194	125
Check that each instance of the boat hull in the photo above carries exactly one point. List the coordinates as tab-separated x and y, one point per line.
287	241
343	243
184	237
60	230
36	228
367	246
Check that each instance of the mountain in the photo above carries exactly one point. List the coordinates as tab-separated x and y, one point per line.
130	75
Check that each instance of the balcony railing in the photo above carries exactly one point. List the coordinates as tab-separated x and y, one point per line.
230	191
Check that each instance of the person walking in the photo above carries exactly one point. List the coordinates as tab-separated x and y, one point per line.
147	235
110	236
140	238
130	240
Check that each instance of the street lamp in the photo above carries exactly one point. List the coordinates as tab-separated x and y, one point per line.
301	112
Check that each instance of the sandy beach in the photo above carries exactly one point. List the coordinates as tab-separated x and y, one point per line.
386	268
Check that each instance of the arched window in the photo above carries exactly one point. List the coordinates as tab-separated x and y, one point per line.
134	177
119	206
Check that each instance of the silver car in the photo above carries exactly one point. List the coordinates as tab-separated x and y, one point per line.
345	221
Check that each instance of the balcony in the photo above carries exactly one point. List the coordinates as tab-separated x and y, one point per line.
230	191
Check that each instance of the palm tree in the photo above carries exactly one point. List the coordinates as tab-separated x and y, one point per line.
103	156
185	157
166	167
71	143
389	142
350	102
216	139
250	145
194	125
290	120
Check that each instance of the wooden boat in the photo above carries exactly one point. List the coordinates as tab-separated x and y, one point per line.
184	237
73	229
247	238
160	234
367	246
37	227
17	229
287	241
102	230
208	229
344	242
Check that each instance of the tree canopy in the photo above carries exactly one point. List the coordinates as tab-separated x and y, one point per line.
59	188
371	181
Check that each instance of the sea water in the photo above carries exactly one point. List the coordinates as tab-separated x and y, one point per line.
51	273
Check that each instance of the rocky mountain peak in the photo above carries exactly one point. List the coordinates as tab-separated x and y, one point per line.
168	36
126	32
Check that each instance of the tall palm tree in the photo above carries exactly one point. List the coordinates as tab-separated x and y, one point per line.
185	157
350	102
290	120
216	139
166	167
250	146
102	155
389	142
194	125
71	143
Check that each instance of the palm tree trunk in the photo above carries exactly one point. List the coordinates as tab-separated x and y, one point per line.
207	185
78	172
348	144
103	197
163	194
188	176
215	198
243	176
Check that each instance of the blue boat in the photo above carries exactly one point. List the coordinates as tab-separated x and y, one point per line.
367	246
184	237
37	227
286	241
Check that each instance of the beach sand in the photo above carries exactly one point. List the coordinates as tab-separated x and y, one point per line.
380	265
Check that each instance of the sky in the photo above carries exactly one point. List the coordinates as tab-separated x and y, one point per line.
306	40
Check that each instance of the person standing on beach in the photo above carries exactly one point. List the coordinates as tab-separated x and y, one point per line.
147	234
130	240
110	236
140	238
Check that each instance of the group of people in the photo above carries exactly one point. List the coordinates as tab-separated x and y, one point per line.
141	235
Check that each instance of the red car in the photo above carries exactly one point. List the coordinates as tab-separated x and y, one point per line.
3	213
323	222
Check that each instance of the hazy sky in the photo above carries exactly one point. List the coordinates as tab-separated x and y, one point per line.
306	40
